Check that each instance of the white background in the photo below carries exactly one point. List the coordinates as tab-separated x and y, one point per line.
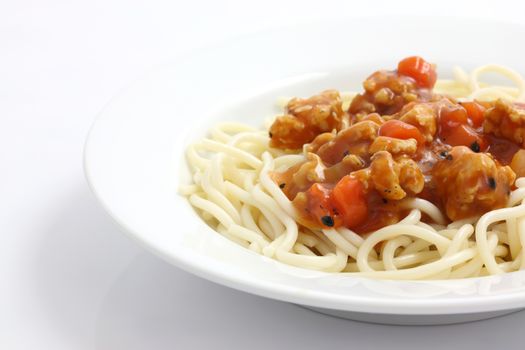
68	278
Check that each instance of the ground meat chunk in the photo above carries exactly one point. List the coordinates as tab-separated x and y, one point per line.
393	179
307	118
506	120
309	172
411	178
470	184
355	139
319	141
376	118
423	117
393	145
386	93
301	176
518	163
347	165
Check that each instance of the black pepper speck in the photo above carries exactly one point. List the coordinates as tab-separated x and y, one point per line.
327	220
492	183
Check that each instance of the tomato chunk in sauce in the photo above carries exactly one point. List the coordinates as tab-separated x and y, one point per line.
398	140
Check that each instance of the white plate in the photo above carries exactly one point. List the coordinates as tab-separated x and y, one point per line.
134	156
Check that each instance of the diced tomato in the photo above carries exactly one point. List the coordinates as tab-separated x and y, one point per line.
464	135
319	206
348	197
451	118
502	149
420	70
401	130
455	131
475	112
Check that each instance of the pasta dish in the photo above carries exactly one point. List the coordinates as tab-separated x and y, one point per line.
411	178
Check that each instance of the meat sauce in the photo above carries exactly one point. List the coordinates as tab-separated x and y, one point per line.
398	140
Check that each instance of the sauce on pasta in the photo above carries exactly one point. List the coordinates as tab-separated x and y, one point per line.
398	140
413	178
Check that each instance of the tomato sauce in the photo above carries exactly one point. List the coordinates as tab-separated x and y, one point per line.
402	142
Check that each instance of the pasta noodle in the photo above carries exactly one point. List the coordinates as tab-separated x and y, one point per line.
233	192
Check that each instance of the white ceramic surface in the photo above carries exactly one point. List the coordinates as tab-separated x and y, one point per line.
134	156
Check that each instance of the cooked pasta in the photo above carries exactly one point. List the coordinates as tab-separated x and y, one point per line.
235	191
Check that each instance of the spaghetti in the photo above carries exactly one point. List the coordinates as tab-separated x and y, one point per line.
234	192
